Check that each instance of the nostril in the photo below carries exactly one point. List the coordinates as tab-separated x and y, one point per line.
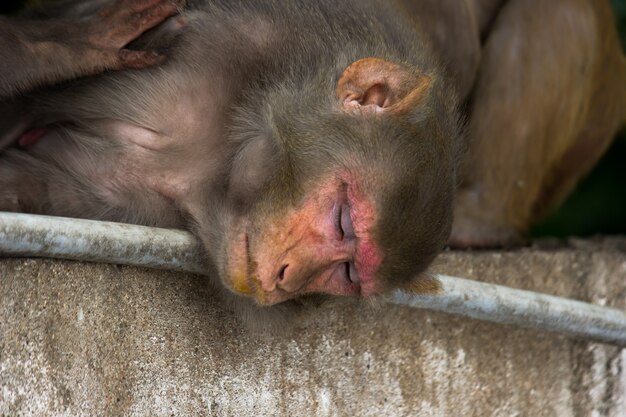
281	273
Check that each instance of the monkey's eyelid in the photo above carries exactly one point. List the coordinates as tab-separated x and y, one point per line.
346	225
338	217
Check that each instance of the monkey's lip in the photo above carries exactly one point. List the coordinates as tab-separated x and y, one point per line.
241	266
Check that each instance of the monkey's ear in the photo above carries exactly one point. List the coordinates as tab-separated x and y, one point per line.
423	284
374	86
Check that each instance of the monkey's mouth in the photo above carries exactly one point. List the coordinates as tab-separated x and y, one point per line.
241	267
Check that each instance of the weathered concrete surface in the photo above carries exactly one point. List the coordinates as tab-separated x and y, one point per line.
86	339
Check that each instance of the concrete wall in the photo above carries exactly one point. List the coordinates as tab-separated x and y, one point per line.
87	339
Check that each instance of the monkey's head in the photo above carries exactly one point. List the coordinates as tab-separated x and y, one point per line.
355	190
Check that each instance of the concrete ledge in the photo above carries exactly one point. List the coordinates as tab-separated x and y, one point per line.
91	339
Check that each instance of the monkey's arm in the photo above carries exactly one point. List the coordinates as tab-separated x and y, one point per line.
44	52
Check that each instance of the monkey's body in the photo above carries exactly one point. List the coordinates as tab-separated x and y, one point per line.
245	117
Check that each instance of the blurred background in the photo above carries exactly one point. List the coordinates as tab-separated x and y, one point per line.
598	206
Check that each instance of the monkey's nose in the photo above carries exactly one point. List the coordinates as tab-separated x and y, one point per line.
281	273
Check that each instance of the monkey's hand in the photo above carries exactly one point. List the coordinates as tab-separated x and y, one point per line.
35	53
115	26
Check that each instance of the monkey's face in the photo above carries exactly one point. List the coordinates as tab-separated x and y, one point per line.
322	244
355	195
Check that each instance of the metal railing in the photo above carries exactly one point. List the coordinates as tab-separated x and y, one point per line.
96	241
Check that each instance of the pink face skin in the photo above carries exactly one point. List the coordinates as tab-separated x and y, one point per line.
322	246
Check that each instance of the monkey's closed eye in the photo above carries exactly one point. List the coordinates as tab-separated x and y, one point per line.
346	225
343	222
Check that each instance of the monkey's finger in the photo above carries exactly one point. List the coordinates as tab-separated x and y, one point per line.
142	21
126	6
138	59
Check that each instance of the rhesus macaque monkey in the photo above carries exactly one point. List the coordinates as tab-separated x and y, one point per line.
317	146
